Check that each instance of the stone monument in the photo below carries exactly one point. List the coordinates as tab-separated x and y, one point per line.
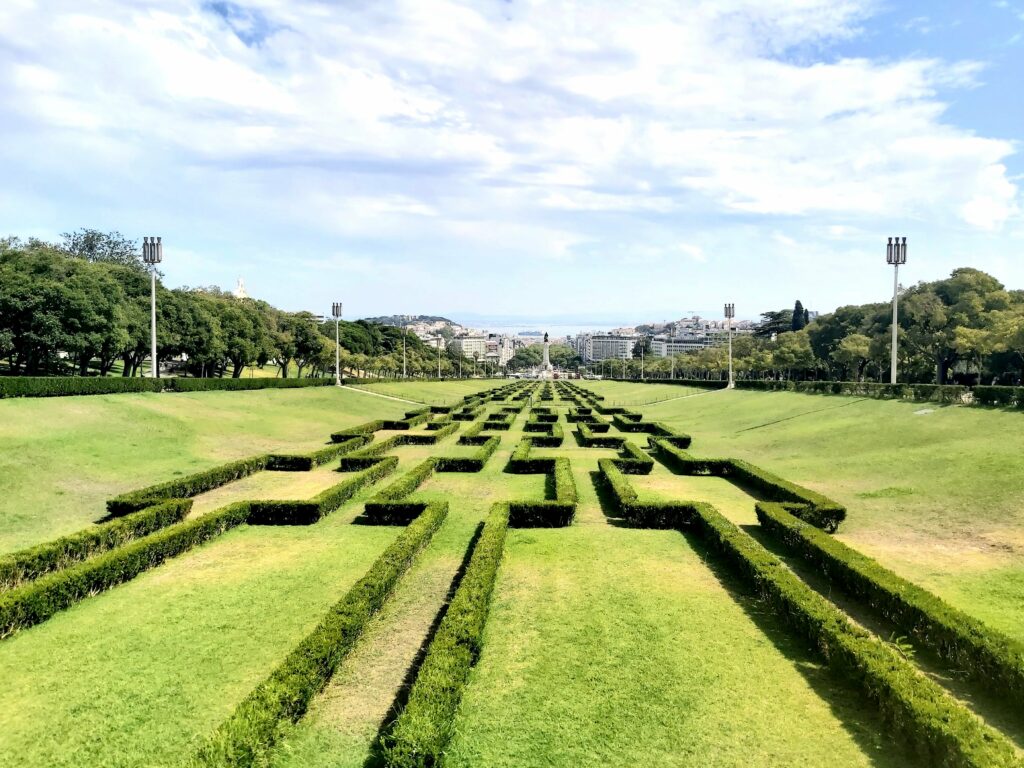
545	366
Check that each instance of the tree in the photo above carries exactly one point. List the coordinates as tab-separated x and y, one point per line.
102	247
774	323
799	321
853	352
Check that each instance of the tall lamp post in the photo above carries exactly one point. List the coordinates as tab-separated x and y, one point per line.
405	332
152	254
336	311
730	313
895	254
439	340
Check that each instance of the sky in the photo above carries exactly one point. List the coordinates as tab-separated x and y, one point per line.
602	160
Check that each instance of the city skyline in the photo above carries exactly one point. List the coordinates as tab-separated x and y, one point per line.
511	159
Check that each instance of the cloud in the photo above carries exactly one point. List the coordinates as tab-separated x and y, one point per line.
452	127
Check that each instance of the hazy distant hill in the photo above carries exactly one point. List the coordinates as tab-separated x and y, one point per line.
400	320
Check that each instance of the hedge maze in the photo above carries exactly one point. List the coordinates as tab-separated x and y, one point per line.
382	466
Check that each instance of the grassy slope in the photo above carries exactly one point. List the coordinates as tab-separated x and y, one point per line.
625	393
660	663
64	456
606	646
433	392
933	492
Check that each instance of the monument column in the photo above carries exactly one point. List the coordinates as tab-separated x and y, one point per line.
546	364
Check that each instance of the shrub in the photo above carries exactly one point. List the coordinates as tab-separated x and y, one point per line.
185	487
310	511
985	654
207	385
363	429
282	698
918	710
589	440
39	600
634	461
474	463
425	726
29	564
59	386
999	396
642	514
306	462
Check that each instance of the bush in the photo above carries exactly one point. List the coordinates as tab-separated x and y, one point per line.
306	462
589	440
363	429
208	385
642	514
425	726
999	396
985	654
39	600
806	504
948	393
383	507
256	724
919	711
59	386
28	564
185	487
310	511
634	461
474	463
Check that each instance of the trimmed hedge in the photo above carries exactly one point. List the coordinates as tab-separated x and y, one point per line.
808	505
28	564
633	460
648	514
947	393
363	429
422	731
305	462
589	440
61	386
920	713
185	487
985	654
258	721
474	463
999	396
312	510
39	600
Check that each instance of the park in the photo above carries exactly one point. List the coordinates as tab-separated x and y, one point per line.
487	572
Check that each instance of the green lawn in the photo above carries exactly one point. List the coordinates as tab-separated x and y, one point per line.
933	492
432	392
63	457
606	645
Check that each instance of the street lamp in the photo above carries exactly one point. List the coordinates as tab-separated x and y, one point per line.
405	332
730	313
895	254
439	340
152	254
336	312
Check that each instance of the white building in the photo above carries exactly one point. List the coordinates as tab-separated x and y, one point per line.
606	347
468	346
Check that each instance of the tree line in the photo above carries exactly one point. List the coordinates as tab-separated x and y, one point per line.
967	329
82	306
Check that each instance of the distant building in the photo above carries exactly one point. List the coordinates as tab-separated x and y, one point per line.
608	347
240	292
468	346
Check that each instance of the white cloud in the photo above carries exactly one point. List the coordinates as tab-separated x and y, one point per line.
543	127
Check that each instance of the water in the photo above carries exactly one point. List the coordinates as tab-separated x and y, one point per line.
555	332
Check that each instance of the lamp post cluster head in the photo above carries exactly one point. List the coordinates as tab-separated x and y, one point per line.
152	250
730	311
896	251
336	310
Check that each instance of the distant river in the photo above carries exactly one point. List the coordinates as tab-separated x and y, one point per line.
554	331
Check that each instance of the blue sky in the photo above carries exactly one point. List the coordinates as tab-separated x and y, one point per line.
596	159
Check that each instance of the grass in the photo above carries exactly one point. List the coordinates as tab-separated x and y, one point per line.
636	393
932	492
64	456
606	646
433	392
658	665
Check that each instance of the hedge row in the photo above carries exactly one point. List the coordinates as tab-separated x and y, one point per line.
806	504
425	726
59	386
647	514
588	439
474	463
949	393
1004	396
633	460
985	654
552	439
185	487
281	699
306	462
28	564
920	713
624	423
309	511
39	600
